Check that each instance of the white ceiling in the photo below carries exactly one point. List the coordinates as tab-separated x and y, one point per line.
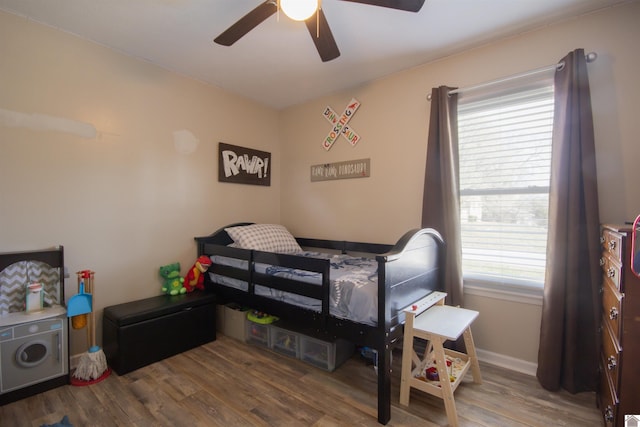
276	63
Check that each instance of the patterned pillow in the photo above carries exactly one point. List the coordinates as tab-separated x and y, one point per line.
264	237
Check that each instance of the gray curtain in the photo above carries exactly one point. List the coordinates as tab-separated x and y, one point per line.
441	200
569	341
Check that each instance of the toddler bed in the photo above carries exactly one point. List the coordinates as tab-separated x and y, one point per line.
330	289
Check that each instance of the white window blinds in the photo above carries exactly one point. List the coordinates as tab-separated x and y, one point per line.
505	159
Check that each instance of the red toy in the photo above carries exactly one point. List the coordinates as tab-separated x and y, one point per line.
195	277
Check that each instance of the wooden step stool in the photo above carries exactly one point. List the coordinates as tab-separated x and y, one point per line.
437	323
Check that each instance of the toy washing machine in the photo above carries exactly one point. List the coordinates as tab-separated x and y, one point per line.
34	353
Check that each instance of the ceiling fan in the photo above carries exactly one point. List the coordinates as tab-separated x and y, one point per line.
316	24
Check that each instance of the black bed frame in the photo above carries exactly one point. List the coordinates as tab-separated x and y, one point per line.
407	271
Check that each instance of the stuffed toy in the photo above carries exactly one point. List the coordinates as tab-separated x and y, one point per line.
195	277
172	280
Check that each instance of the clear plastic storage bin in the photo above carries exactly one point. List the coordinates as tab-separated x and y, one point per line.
285	341
323	354
257	333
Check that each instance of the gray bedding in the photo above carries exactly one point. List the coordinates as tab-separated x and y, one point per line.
354	284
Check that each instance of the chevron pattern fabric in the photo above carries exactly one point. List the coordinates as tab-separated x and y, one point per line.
15	278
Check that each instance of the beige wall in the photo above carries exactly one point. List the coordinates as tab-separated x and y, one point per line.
127	202
393	121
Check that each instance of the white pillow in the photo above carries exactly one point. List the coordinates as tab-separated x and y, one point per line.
264	237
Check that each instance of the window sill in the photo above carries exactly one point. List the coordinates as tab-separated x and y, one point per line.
505	292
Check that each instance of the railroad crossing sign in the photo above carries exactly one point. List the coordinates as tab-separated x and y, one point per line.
340	126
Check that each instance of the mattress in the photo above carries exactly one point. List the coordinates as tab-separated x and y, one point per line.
353	281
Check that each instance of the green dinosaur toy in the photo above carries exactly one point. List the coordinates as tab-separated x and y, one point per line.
172	279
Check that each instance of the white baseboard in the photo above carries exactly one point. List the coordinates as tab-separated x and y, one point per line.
507	362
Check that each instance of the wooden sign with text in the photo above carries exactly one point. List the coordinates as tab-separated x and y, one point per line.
341	170
242	165
340	126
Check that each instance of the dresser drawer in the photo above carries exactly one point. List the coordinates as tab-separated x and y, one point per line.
612	244
611	355
611	270
612	308
607	398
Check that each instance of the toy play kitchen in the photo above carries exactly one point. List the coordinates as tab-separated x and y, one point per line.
33	323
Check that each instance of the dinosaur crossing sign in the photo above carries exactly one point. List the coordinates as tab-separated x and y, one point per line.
340	125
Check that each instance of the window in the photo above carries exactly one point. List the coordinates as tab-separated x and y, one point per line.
505	166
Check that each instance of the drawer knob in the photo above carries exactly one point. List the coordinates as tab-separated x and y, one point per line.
612	363
602	239
608	414
611	272
612	245
613	313
601	262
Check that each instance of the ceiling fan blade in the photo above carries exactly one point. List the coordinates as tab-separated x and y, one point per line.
247	23
406	5
322	36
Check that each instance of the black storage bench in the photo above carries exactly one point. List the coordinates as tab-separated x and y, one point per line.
138	333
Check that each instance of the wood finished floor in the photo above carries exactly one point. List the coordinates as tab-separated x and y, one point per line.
229	383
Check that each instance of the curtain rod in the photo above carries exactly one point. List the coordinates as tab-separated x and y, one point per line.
590	57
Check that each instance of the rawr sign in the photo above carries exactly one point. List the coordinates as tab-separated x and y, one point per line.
242	165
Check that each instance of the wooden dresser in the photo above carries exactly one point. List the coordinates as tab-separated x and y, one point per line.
619	392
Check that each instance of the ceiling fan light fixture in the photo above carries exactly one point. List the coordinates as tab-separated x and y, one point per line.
299	10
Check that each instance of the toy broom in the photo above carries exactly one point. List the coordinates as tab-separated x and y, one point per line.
93	364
